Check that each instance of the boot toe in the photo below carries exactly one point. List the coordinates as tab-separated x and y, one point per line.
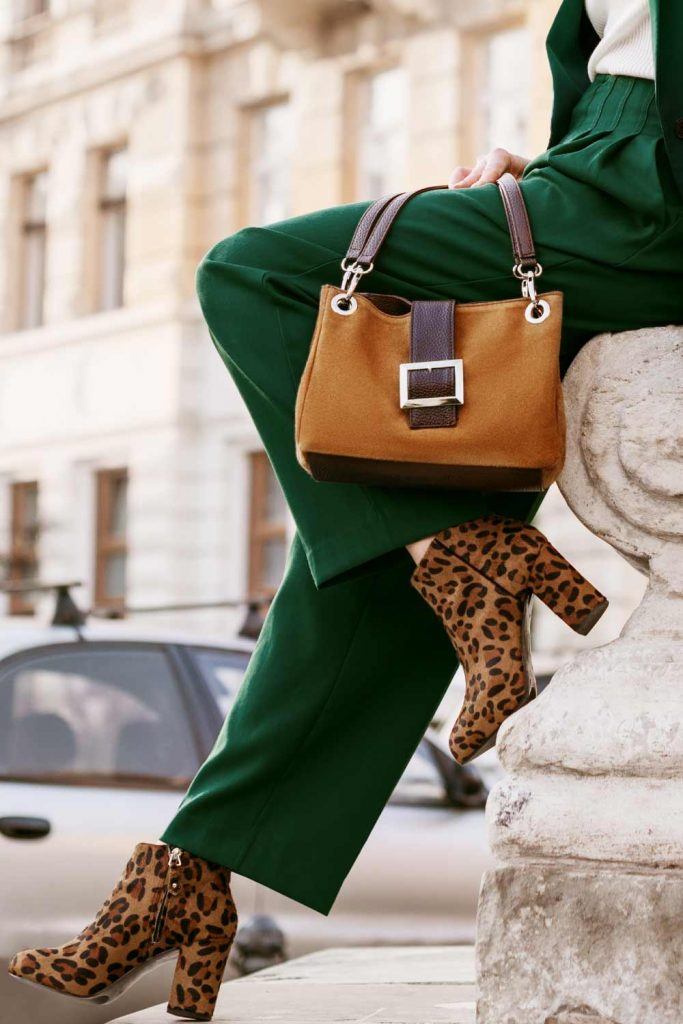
24	964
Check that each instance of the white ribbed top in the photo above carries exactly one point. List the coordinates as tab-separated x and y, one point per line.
626	44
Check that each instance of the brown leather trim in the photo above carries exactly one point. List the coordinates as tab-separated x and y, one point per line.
349	470
518	220
366	224
375	224
365	249
432	339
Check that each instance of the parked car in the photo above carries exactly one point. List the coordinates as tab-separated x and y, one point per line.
101	728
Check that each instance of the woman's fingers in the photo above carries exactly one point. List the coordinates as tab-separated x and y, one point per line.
470	176
518	165
488	169
497	163
458	175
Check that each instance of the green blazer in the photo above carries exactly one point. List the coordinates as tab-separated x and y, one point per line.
572	39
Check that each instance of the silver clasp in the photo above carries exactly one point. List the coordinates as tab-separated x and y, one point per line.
457	398
538	310
345	304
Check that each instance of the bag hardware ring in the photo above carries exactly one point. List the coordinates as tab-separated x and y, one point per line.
345	304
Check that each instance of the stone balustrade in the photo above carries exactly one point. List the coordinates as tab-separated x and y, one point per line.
581	920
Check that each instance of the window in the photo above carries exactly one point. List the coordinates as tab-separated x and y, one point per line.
110	14
223	672
25	9
268	529
504	90
105	712
270	158
110	539
112	228
33	249
381	115
23	559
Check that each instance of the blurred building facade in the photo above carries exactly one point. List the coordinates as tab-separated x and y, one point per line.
133	135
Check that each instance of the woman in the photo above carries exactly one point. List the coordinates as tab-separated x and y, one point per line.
352	662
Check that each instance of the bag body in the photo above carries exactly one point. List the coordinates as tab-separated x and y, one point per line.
434	393
510	430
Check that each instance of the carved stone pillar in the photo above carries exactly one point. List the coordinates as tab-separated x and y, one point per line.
581	920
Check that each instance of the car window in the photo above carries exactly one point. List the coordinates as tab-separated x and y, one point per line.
92	713
421	782
223	672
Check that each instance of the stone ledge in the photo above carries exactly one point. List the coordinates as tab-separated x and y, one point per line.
563	946
396	985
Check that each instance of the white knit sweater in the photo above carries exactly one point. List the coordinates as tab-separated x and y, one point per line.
626	45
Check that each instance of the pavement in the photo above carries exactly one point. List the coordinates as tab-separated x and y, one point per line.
366	985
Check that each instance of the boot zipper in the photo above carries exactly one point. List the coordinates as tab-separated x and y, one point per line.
174	861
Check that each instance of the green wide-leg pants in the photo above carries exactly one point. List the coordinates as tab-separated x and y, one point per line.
351	664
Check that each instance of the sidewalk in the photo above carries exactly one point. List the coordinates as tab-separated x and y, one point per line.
398	985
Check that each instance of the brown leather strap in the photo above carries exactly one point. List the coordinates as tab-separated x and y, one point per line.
382	225
366	224
432	339
374	225
518	221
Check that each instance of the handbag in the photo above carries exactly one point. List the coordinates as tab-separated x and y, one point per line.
434	393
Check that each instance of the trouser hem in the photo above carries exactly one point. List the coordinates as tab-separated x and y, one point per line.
230	857
356	552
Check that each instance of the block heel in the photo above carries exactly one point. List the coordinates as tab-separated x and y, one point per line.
565	591
197	979
478	578
167	902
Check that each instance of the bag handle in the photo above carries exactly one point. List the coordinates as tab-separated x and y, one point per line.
376	222
374	225
366	224
518	221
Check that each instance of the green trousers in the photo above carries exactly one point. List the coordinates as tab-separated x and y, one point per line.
351	664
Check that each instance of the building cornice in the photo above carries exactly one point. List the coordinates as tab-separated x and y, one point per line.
127	54
74	332
283	23
142	57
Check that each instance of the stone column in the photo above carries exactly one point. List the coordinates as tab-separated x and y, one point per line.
581	919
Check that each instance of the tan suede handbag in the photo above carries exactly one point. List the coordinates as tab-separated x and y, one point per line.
434	393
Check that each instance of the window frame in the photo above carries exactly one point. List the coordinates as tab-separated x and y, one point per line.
21	13
107	206
193	653
261	530
193	692
106	19
248	198
28	228
475	40
107	545
357	85
22	550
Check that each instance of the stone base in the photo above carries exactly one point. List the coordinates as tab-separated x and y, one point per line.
558	945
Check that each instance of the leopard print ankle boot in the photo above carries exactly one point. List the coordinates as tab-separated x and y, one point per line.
167	903
478	578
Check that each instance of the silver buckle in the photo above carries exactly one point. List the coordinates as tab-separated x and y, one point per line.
457	398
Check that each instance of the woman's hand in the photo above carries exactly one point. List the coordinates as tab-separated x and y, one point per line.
488	168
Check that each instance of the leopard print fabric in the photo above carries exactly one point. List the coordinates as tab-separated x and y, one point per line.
201	922
158	906
478	578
